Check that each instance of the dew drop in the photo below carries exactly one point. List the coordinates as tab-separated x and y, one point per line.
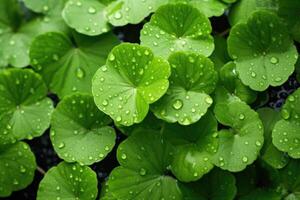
241	116
177	104
61	145
274	60
91	10
208	100
285	114
112	57
79	73
245	159
143	172
123	156
118	15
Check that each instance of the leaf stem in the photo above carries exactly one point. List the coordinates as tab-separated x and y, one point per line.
41	170
225	32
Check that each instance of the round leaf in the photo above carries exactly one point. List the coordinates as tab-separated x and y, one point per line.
144	158
25	110
192	79
17	166
178	27
68	64
131	80
86	16
263	51
68	181
239	145
286	131
80	132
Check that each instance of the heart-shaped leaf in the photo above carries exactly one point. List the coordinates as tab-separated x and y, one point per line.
270	154
239	145
263	51
80	132
144	158
17	166
25	110
131	80
286	131
86	16
192	79
178	27
195	146
68	181
68	63
217	185
122	12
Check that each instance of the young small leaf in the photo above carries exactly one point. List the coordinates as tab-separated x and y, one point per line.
68	181
178	27
80	132
25	110
17	166
131	80
263	50
192	79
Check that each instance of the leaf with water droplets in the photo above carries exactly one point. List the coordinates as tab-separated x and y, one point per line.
269	153
240	144
192	79
86	16
68	181
80	132
265	55
178	27
195	145
121	91
47	7
144	158
17	166
25	111
68	62
286	131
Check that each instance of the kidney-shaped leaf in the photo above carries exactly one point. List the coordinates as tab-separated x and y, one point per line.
25	110
178	27
80	132
68	181
68	64
144	158
131	80
195	146
192	79
240	144
17	166
263	50
285	134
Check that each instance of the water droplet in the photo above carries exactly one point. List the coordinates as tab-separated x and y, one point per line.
278	79
123	156
55	57
245	159
118	15
141	71
253	74
79	73
91	10
258	143
291	98
61	145
177	104
241	116
274	60
119	118
285	114
208	100
143	172
112	57
104	102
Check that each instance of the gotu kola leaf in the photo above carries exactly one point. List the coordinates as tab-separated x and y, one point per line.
17	166
80	132
68	181
192	79
68	63
239	145
286	131
178	27
195	146
25	110
131	80
263	51
144	158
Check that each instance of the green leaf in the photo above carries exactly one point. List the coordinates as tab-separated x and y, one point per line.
286	131
262	194
217	185
229	78
47	7
263	51
220	55
25	110
239	145
208	7
178	27
86	17
144	158
131	80
68	181
68	63
17	166
289	11
270	154
243	9
195	146
122	12
192	79
80	132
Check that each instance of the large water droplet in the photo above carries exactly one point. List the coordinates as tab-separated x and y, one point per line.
274	60
118	15
61	145
79	73
91	10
